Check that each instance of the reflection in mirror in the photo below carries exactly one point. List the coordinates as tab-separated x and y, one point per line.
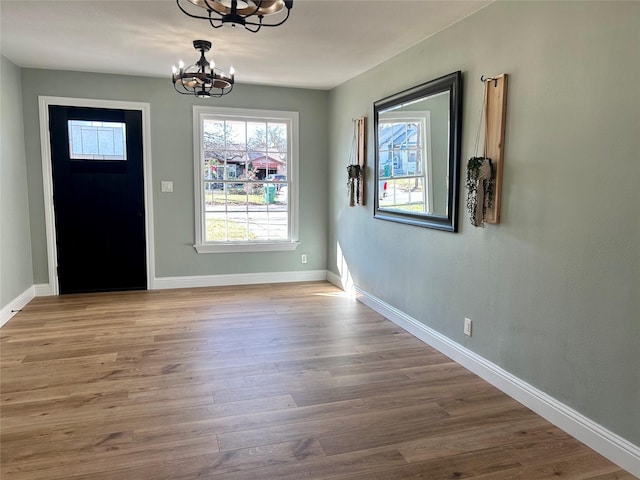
417	154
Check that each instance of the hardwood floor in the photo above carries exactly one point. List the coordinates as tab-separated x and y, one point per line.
264	382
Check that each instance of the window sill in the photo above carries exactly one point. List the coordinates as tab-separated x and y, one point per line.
246	247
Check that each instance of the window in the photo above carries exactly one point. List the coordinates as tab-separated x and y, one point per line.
404	166
246	180
89	140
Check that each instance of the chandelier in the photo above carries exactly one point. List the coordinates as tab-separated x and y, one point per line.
202	79
246	13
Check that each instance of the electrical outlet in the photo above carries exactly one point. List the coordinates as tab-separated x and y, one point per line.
467	326
303	258
166	186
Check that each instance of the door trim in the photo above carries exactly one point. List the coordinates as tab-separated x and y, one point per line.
47	177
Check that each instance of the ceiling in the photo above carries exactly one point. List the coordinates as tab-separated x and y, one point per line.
323	44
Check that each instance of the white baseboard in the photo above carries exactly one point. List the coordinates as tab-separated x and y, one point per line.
42	290
18	303
195	281
15	305
612	446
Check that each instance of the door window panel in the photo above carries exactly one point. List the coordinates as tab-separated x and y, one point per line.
94	140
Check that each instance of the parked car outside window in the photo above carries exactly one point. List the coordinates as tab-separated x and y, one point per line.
276	177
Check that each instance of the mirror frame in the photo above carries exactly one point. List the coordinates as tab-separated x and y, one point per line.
451	83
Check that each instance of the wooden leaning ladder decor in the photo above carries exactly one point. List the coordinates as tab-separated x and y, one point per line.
495	100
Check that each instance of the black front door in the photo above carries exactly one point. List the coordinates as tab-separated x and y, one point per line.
98	197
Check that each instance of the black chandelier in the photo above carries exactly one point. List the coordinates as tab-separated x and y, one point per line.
202	79
246	13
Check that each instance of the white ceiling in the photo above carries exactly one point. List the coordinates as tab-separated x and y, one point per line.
323	44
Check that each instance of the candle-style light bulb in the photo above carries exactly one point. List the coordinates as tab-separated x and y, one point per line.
180	64
232	72
174	69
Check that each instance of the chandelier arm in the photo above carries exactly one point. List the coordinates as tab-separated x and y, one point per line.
260	24
181	93
259	4
211	10
211	20
223	91
189	14
218	19
210	7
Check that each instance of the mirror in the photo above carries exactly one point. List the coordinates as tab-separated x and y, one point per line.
417	154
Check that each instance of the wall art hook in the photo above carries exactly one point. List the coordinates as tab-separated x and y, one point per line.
484	79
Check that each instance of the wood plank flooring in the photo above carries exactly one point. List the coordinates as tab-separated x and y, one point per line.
287	381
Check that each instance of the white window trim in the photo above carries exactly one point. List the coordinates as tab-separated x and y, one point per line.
292	177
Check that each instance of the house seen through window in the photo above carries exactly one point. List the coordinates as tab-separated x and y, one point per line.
404	163
246	195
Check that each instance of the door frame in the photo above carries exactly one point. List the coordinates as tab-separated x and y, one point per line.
47	178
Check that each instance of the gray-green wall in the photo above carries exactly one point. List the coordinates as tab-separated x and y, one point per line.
16	272
172	159
554	290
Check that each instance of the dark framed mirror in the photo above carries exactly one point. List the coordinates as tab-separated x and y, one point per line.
417	154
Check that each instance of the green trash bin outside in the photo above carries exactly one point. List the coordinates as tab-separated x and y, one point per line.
269	194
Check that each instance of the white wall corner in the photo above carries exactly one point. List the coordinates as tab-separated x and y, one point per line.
612	446
335	279
344	282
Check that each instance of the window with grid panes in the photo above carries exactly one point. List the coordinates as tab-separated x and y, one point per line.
246	181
